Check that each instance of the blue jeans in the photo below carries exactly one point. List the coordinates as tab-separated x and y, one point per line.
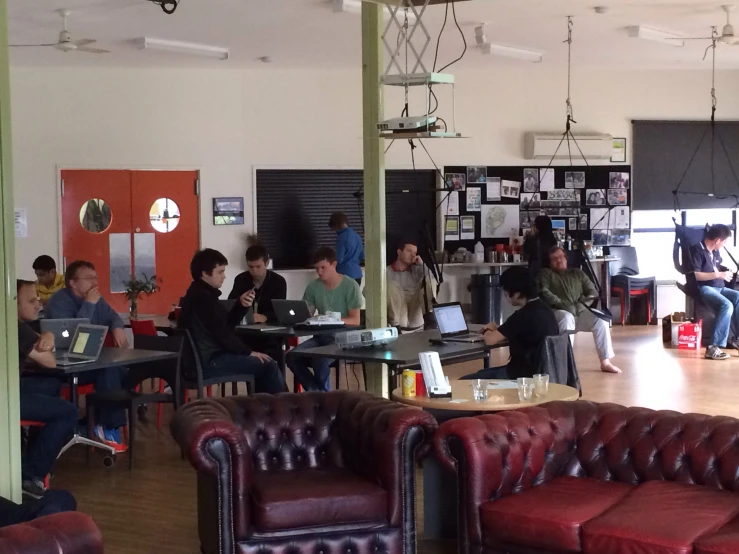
267	375
105	380
725	304
40	401
320	378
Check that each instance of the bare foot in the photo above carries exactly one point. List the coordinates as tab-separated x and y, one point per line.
607	367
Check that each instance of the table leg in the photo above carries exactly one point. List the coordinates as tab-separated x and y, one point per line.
282	362
486	360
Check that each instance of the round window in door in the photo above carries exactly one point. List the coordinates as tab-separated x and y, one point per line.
95	215
164	215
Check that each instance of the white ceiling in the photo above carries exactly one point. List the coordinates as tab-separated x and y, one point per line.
306	33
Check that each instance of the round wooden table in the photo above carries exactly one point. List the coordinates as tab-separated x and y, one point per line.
502	396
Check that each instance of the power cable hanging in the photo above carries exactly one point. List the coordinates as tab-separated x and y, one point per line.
715	133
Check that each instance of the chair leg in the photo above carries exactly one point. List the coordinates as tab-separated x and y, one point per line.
223	390
160	405
623	308
235	389
338	375
90	428
131	435
210	390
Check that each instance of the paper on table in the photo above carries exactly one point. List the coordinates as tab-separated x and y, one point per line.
452	204
468	227
546	179
600	218
620	217
457	401
474	199
452	228
503	385
493	188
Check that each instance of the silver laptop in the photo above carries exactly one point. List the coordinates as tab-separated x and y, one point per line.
62	329
291	312
452	325
86	346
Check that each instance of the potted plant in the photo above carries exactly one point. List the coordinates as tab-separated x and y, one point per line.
135	287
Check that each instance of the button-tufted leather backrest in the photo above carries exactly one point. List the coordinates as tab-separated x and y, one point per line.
292	431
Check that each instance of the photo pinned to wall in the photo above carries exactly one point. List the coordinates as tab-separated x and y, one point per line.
455	181
526	219
452	203
499	221
620	237
451	228
572	223
583	222
618	181
546	179
228	211
569	211
600	218
564	194
595	197
510	189
619	151
468	227
560	231
530	180
601	237
516	243
618	197
620	217
493	189
530	201
477	174
474	199
575	180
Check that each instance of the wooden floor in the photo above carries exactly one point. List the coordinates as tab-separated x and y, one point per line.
152	509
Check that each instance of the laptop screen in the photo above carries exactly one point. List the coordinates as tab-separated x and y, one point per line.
450	319
88	340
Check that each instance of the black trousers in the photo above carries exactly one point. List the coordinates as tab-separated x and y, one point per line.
53	502
489	373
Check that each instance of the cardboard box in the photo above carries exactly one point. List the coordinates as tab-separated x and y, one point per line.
689	336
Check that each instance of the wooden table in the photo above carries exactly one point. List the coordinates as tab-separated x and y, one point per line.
439	486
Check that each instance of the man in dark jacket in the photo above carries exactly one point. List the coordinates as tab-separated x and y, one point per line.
267	285
212	327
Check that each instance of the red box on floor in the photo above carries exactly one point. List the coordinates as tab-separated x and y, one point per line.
689	335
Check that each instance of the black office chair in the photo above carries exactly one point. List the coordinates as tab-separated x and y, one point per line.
557	360
130	400
190	376
627	283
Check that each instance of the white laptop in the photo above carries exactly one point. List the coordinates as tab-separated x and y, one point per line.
452	324
86	346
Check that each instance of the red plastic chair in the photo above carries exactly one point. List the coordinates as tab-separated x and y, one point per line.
146	327
29	423
634	292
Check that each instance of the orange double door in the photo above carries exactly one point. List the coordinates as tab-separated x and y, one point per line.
132	223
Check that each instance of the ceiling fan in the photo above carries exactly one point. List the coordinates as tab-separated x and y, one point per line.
727	35
65	42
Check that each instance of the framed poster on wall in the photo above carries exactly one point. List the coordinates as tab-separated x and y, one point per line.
228	211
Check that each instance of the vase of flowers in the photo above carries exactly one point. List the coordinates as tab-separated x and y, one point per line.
135	287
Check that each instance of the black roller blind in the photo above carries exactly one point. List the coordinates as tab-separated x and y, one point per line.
294	206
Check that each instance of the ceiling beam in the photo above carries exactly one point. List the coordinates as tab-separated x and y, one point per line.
417	3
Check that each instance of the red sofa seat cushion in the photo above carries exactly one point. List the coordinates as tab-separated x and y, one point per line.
291	500
660	517
723	541
551	515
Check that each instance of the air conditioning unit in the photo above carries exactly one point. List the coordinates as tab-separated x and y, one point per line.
542	146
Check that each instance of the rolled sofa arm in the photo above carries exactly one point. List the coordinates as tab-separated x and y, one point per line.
65	533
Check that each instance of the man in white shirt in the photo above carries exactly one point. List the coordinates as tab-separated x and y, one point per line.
409	293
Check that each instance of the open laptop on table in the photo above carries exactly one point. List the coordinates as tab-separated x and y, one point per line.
291	312
86	346
62	329
452	324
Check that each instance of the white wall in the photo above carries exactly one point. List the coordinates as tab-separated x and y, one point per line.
227	122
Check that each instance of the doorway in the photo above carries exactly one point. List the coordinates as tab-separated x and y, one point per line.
141	223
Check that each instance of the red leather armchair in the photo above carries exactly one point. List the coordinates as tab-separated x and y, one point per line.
595	478
312	473
65	533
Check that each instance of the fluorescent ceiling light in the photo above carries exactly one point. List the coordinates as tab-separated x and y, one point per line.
355	6
647	33
151	43
512	52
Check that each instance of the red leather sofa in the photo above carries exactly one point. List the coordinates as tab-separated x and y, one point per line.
65	533
594	478
311	473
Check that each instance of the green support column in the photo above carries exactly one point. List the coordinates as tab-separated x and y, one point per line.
374	184
10	442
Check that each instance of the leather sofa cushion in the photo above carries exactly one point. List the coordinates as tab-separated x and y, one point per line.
723	541
284	500
660	517
549	516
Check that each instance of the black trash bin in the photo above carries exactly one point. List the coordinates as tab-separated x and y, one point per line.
485	290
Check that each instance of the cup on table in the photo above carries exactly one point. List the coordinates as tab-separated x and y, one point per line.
541	384
525	389
480	390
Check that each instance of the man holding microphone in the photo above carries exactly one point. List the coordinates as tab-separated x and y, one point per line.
711	277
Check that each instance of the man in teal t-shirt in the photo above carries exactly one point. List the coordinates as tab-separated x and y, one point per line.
331	292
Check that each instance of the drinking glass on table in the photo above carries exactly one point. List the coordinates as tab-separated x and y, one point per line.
541	384
525	389
480	390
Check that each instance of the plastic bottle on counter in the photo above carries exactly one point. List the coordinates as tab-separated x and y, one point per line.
479	253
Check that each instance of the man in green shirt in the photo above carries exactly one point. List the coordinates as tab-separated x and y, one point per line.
566	290
331	292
